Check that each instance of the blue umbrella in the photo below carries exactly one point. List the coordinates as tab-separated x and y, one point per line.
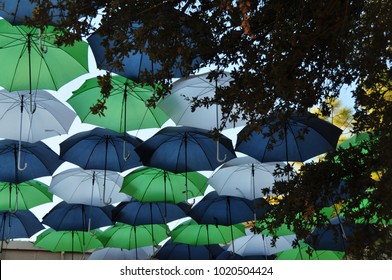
144	213
228	255
22	161
300	138
181	251
79	217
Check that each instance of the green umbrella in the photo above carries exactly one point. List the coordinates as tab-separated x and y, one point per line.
23	196
148	184
190	232
30	58
125	109
67	241
305	252
129	237
355	140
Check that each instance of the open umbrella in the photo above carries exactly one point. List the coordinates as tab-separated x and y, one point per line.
34	160
300	137
183	149
23	196
141	253
178	104
76	185
149	184
306	252
126	108
244	177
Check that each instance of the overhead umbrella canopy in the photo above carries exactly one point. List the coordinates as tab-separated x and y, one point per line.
306	252
149	184
76	185
141	253
19	224
178	104
126	108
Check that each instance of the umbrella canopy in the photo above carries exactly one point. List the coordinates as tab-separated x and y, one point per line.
77	185
50	118
19	224
141	253
190	232
126	108
244	177
178	105
23	161
180	251
228	255
32	60
67	241
300	138
149	184
79	217
23	196
182	149
129	237
143	213
261	245
102	149
305	252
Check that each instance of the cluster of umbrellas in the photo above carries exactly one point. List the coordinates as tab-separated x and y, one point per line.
123	196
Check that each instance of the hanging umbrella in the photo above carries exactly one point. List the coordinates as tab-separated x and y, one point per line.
305	252
76	185
180	251
67	241
130	237
32	60
65	216
34	160
304	137
23	196
261	245
50	118
149	184
182	149
190	232
178	105
141	253
244	177
144	213
229	255
126	108
19	224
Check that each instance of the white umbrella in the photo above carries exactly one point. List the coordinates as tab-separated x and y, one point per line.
260	245
178	105
141	253
77	185
244	177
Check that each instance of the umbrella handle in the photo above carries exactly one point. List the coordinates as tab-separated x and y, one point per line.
125	154
44	49
218	153
19	155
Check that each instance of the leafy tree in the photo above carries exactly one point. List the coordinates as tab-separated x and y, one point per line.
284	56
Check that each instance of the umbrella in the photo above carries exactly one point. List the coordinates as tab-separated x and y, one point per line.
143	213
178	105
129	237
261	245
50	118
244	177
66	241
305	252
65	216
229	255
180	251
301	137
32	60
102	149
77	185
149	184
23	196
19	224
182	149
126	108
37	158
190	232
141	253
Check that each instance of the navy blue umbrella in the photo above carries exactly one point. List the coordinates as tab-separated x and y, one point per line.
229	255
299	138
65	216
22	161
144	213
180	251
